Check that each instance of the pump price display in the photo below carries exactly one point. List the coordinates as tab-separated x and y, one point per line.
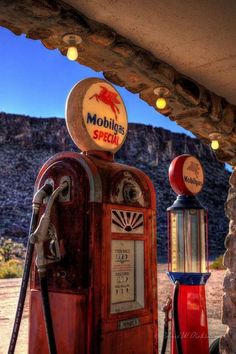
122	271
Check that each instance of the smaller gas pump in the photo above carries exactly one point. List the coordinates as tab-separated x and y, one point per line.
188	264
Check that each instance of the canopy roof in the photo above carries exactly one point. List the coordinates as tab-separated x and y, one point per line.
187	47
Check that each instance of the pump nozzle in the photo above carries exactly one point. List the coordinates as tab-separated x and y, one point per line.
41	234
44	191
39	237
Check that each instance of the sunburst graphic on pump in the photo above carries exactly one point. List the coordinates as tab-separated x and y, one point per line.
127	221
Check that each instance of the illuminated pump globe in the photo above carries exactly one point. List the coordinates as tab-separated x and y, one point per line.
161	103
72	53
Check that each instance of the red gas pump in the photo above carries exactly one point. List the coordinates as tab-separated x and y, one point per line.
188	265
93	283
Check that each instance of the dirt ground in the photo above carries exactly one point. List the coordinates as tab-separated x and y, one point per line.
9	290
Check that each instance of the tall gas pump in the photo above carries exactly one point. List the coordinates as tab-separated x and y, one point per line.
188	257
93	287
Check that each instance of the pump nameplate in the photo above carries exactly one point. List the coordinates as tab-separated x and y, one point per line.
130	323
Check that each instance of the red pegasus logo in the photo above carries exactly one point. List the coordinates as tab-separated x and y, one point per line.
109	98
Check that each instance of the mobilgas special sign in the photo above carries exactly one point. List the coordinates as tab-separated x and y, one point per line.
193	175
96	116
186	175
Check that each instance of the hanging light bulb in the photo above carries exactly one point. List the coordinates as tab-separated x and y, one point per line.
162	93
215	137
215	144
72	53
72	40
161	103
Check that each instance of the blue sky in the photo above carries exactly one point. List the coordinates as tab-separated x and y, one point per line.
36	81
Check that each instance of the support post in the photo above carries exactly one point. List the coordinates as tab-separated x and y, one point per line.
228	341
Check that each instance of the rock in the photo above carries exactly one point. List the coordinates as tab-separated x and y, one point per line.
26	143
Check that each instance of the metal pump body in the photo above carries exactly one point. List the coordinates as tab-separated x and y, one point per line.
188	257
102	290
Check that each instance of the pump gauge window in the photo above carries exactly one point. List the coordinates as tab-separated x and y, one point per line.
127	275
187	240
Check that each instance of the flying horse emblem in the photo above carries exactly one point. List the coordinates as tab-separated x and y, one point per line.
109	98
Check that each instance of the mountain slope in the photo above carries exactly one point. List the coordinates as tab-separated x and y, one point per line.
26	143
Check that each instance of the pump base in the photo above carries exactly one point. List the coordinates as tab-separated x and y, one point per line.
192	320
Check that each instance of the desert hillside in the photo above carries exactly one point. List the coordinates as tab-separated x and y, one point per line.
27	142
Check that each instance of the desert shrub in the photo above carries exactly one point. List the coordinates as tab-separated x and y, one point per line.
10	249
6	250
217	263
11	269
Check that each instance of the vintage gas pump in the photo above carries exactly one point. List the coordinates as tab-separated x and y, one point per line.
95	239
188	263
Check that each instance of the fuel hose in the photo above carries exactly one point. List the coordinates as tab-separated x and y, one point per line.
47	313
215	346
38	237
176	319
165	338
166	309
37	200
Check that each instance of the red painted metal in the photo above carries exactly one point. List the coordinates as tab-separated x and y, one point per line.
192	320
177	178
176	175
80	285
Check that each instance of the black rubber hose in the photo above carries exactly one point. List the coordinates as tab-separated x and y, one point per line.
26	273
176	319
24	285
165	338
215	347
47	314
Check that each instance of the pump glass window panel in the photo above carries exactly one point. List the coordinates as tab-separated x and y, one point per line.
203	240
127	275
192	241
195	240
188	240
177	242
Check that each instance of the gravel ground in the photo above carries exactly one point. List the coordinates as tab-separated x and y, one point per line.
9	290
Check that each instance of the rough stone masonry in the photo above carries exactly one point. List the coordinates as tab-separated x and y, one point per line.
190	104
228	341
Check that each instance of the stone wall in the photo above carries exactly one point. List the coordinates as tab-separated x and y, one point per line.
193	106
228	342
